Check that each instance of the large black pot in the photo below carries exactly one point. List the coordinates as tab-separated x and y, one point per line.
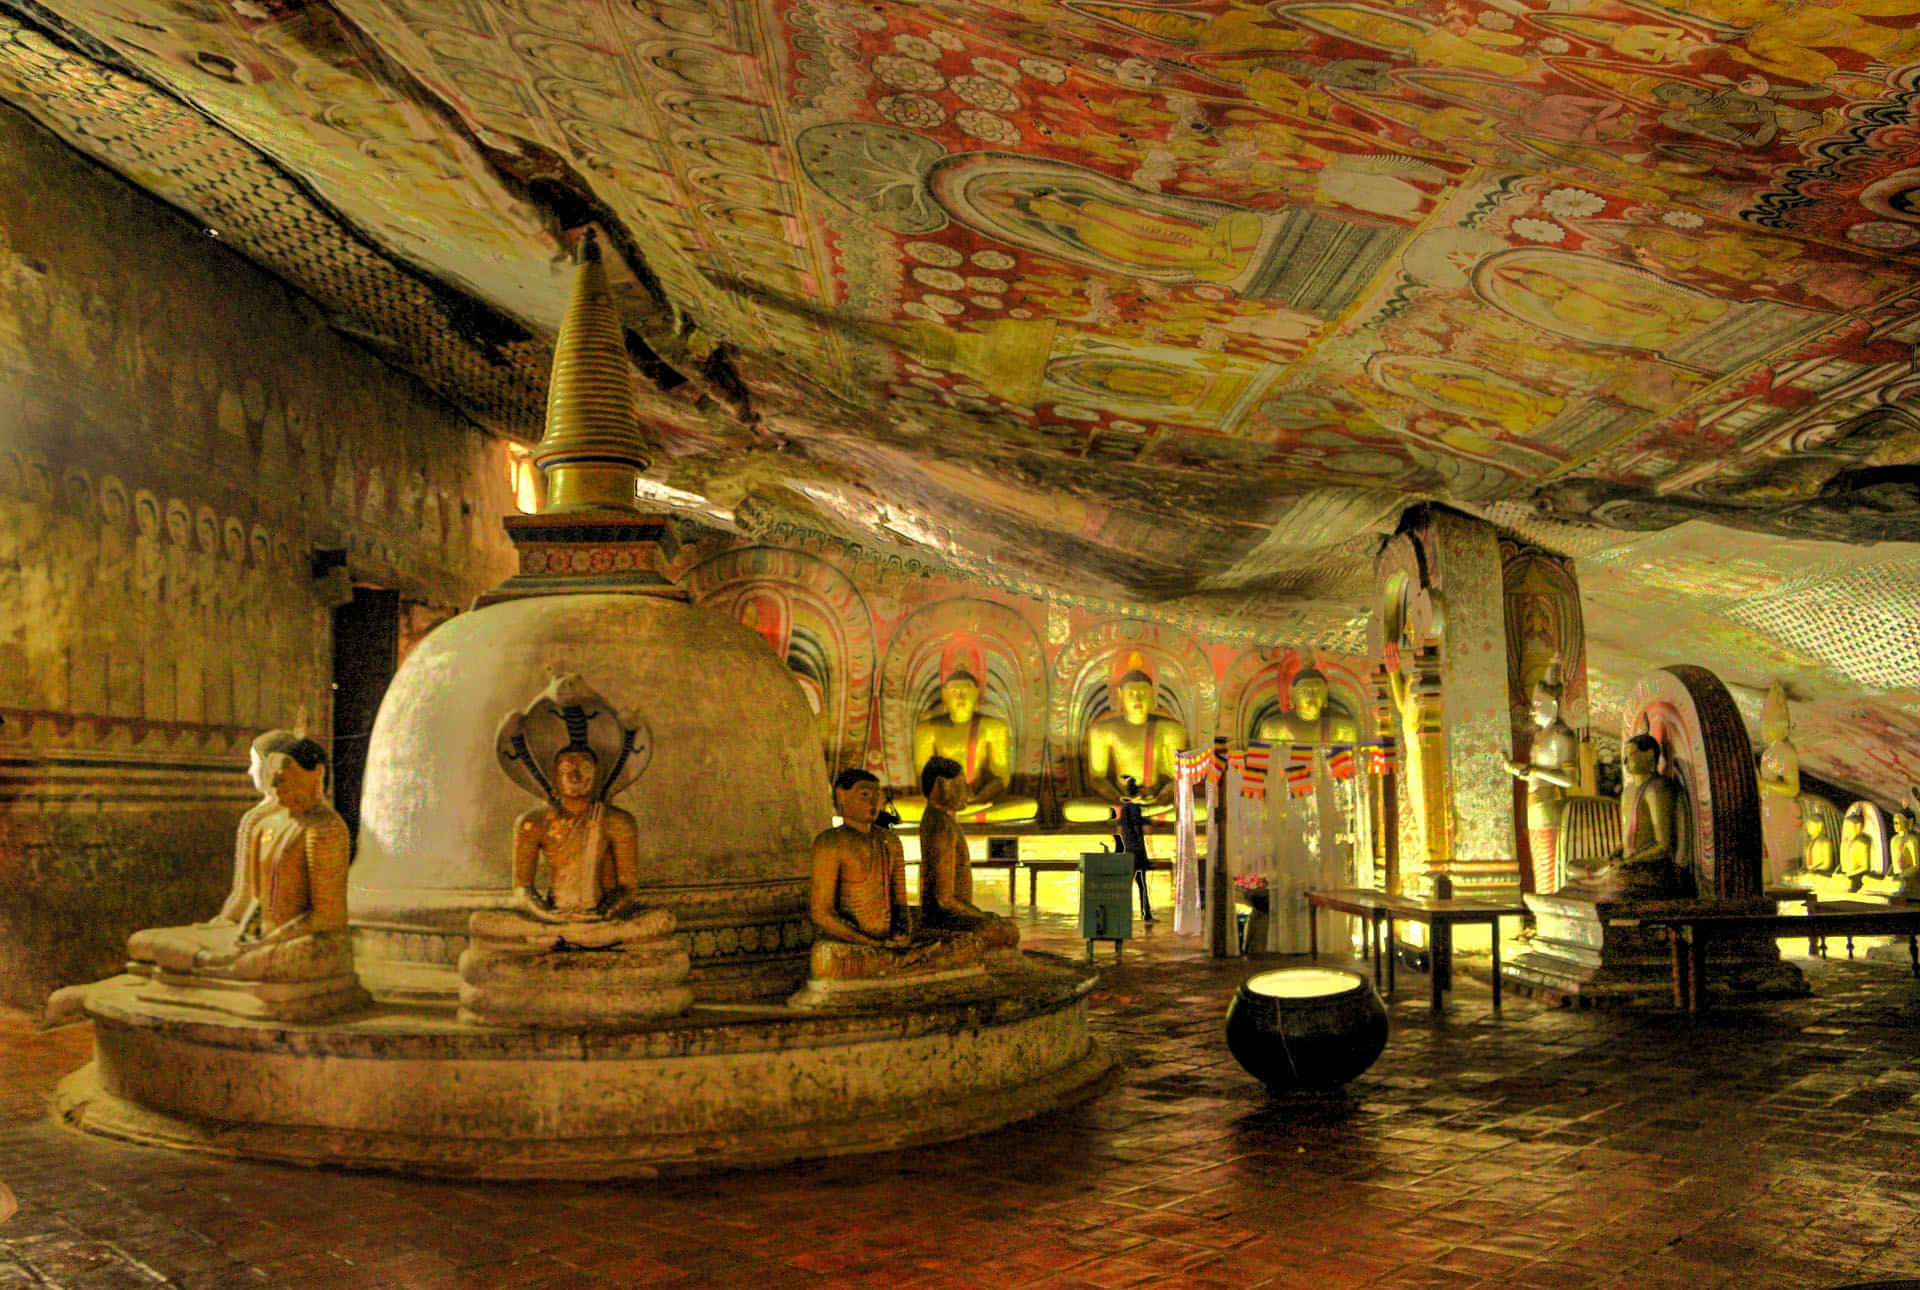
1306	1030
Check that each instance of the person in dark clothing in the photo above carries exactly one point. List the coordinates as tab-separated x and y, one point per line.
1132	838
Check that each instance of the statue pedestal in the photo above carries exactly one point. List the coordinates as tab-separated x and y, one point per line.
598	974
415	1089
260	1000
951	966
1593	953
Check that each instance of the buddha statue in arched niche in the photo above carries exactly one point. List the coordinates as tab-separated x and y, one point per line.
982	745
1129	752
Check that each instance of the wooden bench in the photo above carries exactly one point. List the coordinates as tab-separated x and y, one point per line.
1381	910
1691	933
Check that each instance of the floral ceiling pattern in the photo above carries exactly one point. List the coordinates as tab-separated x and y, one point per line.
1172	301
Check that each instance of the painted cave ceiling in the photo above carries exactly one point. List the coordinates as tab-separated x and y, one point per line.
1175	303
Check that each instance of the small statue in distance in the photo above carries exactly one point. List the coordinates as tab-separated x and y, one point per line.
1903	860
1311	717
1646	867
1820	853
1551	769
1862	855
980	744
1779	777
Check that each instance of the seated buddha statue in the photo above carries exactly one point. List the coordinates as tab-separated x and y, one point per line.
1903	858
1820	854
578	951
1858	868
980	744
864	932
278	948
946	867
1309	718
1133	743
1646	867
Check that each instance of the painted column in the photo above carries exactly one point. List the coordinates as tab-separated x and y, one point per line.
1440	629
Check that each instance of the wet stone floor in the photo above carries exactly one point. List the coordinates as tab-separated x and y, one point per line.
1776	1145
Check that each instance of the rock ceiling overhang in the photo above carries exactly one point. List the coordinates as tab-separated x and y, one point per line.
1161	302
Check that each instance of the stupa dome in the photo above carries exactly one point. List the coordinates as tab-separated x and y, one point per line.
727	808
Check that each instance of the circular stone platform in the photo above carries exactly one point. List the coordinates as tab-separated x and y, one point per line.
413	1089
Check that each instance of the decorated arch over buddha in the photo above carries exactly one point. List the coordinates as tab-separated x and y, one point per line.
1130	695
814	618
966	679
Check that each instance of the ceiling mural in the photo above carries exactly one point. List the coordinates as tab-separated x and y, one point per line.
1164	302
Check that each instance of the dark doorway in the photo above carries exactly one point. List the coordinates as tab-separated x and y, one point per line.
366	651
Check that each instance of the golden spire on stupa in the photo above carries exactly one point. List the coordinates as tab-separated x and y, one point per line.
591	452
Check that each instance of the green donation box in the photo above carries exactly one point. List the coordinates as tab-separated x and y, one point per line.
1106	898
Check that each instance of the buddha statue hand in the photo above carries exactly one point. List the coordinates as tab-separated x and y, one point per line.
534	903
616	902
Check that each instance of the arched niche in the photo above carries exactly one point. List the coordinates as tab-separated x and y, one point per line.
814	618
1014	687
1255	684
1543	621
1704	745
1083	676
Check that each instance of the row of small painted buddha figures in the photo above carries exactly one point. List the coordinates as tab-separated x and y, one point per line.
284	922
1861	862
1128	753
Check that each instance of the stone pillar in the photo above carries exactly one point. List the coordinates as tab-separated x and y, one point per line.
1440	628
1385	795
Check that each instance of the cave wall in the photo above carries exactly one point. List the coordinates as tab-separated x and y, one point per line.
179	433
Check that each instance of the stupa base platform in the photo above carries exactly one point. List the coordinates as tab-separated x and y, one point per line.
1590	953
413	1089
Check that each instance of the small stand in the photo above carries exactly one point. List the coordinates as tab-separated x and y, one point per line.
1106	898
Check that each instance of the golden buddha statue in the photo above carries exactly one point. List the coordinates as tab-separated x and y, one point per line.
1310	717
1648	864
577	952
1903	859
864	933
946	867
1859	868
1779	778
1551	769
278	948
1819	854
1130	752
983	747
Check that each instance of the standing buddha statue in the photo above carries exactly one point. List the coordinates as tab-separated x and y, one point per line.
1551	769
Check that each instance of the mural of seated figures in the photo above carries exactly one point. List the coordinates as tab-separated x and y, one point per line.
815	619
1135	692
966	679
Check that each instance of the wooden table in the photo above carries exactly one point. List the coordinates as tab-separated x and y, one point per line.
1381	911
1690	934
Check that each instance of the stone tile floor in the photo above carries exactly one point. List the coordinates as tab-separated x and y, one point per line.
1776	1145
